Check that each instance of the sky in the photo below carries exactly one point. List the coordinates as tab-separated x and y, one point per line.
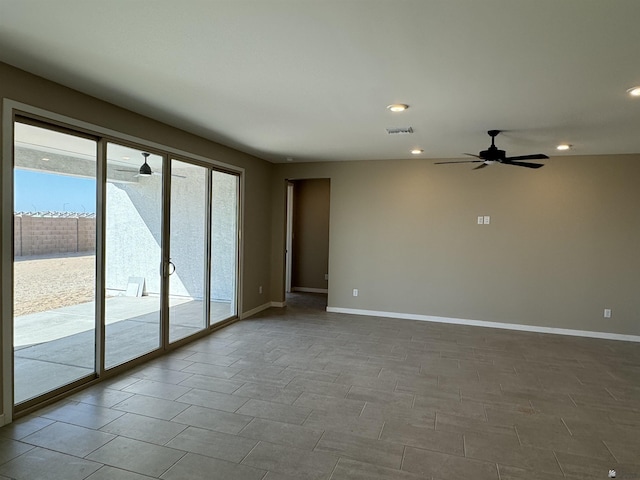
44	192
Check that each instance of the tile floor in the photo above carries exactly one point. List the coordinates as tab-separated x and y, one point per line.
298	393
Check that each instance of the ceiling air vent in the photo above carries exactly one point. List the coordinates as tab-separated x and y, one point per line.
399	130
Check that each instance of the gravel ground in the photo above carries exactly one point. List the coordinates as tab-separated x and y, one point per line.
45	283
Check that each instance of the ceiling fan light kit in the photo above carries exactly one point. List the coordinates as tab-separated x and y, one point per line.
494	155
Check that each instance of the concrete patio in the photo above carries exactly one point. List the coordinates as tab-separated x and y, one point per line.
56	347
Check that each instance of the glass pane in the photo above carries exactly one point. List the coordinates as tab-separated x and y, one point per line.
54	260
133	244
188	248
224	246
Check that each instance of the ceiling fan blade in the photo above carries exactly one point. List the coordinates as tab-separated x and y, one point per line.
523	164
484	164
535	156
173	174
473	155
460	161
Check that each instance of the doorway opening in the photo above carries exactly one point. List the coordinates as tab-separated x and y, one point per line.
307	238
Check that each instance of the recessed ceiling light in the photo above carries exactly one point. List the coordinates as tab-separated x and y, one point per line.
417	151
397	107
45	159
289	159
563	146
125	158
634	91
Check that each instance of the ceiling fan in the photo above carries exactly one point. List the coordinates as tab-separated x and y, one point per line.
495	155
145	169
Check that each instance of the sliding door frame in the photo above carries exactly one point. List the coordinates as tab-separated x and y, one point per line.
10	111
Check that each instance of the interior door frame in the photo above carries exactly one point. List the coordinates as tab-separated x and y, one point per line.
288	252
10	110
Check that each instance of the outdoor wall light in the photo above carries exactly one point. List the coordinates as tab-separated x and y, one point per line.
145	169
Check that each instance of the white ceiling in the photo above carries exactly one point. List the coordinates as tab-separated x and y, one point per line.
311	79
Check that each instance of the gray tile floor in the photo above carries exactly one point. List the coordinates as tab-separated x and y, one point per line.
298	393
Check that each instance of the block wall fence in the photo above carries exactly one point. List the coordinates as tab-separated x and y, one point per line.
37	235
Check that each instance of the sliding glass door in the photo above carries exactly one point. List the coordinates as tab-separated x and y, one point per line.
204	248
224	246
118	253
54	184
188	241
133	253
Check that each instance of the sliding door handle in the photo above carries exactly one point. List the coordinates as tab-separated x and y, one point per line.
167	267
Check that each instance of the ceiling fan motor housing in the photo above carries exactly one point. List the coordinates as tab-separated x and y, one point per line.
492	153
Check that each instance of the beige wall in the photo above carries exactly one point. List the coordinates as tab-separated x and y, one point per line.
23	87
562	244
310	233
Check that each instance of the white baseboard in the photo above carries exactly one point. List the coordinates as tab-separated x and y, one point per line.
256	310
310	290
482	323
260	308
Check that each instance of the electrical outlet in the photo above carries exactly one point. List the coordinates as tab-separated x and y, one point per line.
355	292
326	276
260	289
607	313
